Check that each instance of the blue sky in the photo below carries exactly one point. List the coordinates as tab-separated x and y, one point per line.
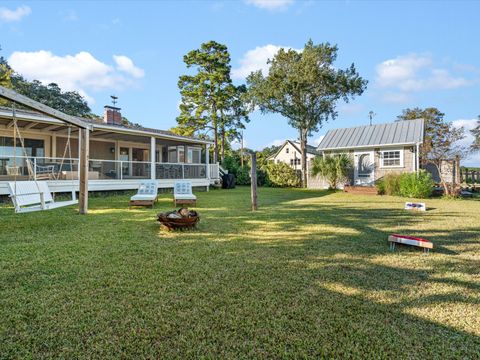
412	53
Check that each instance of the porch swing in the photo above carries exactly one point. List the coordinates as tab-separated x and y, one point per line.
29	196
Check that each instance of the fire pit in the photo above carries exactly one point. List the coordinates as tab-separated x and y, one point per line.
179	219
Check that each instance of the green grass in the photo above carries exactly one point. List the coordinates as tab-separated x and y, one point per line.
307	276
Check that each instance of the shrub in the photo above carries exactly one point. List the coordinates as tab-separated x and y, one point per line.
262	177
389	184
242	176
231	164
416	185
281	175
334	168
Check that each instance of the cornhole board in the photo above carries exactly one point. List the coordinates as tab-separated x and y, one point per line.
410	240
415	206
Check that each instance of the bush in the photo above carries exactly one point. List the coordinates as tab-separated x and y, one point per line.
389	184
242	176
333	168
262	177
416	185
281	175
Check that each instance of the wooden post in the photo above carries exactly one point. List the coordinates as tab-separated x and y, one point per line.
84	159
458	179
254	181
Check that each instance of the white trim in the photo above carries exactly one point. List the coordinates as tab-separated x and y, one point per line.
49	120
153	150
382	166
367	146
361	180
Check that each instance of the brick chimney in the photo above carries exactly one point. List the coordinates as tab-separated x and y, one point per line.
112	115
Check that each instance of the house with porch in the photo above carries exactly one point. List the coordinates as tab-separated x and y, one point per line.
120	155
376	150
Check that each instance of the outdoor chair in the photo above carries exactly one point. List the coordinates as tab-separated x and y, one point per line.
182	193
146	195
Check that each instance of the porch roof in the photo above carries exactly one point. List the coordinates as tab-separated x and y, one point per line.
33	120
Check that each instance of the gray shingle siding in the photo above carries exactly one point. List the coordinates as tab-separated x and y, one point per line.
399	132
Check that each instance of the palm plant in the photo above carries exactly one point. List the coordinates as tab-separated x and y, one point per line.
334	168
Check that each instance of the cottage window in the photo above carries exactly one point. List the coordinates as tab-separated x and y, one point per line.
391	158
287	150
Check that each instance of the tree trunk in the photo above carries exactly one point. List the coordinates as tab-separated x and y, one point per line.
215	132
303	149
222	134
215	144
253	184
446	188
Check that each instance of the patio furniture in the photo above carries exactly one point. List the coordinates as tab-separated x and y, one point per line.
182	193
73	175
13	170
40	172
28	196
146	195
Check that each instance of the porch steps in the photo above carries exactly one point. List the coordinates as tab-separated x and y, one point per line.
365	190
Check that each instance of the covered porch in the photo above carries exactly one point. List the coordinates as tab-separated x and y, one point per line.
120	157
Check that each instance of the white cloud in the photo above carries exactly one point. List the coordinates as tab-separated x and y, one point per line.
8	15
126	65
413	72
468	124
256	59
270	5
81	72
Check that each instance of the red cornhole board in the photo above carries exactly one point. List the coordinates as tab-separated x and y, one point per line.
410	240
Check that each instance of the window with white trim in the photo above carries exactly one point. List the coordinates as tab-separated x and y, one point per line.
391	158
194	155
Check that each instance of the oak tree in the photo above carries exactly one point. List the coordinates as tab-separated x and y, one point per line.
305	87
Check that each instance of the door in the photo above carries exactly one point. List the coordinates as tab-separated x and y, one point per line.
364	168
124	156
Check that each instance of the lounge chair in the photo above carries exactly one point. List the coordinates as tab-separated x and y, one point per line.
146	195
182	193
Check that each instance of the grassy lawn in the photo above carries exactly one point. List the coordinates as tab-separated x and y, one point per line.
309	275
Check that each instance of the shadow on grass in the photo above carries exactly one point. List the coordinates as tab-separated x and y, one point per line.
309	275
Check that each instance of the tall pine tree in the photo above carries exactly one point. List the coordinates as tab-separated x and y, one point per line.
210	102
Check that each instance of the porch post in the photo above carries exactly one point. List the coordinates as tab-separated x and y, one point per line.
207	163
207	160
153	148
84	159
53	150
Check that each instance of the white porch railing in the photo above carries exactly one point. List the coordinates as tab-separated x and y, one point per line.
48	168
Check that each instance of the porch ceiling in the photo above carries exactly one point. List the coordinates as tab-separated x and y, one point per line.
61	129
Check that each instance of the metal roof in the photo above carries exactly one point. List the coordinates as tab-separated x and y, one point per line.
403	132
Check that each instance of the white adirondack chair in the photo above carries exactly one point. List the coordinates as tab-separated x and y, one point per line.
28	196
146	195
182	193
